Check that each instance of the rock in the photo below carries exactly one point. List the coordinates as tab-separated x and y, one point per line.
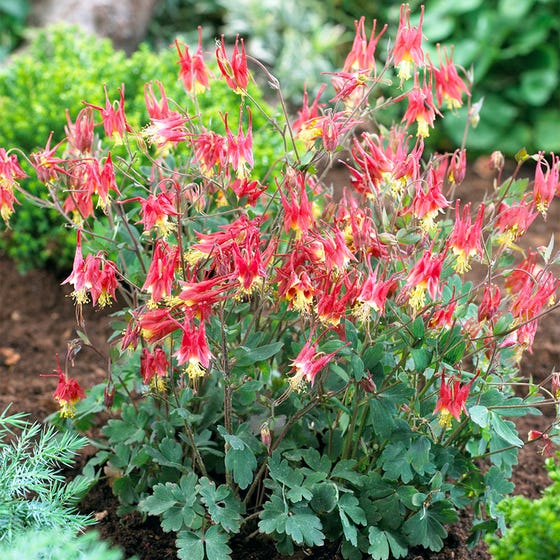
124	22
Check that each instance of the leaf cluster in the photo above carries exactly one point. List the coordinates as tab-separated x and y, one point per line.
532	526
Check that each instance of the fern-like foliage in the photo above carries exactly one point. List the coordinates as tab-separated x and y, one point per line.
53	544
33	492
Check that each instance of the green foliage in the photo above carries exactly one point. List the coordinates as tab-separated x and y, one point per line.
513	50
33	494
532	526
13	14
199	512
53	544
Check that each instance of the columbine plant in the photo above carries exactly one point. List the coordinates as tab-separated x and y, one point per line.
305	360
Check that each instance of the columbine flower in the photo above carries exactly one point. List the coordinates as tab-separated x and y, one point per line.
527	304
362	54
465	237
7	200
513	221
299	292
297	208
240	148
114	119
156	324
457	167
420	108
449	86
373	294
443	315
104	282
235	72
424	277
536	435
307	365
333	300
490	303
407	51
250	270
80	133
372	164
106	181
46	164
193	72
304	126
154	367
194	350
170	130
161	274
210	149
555	382
546	184
68	392
78	277
156	209
452	400
427	204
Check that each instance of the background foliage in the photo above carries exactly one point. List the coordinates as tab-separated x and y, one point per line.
513	48
532	525
12	23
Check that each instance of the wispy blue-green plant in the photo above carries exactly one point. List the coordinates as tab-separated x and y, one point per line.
33	491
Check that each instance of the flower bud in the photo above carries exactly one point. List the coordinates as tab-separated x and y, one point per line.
266	436
497	160
367	384
490	302
109	395
556	384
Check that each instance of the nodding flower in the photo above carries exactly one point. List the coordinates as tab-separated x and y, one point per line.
452	400
449	86
154	366
545	438
362	54
114	119
10	172
194	350
424	277
68	391
407	52
235	71
193	73
465	239
421	107
308	363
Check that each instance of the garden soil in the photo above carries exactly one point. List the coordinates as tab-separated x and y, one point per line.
37	318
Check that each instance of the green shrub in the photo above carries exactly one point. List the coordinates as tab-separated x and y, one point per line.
55	544
60	69
533	525
33	494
